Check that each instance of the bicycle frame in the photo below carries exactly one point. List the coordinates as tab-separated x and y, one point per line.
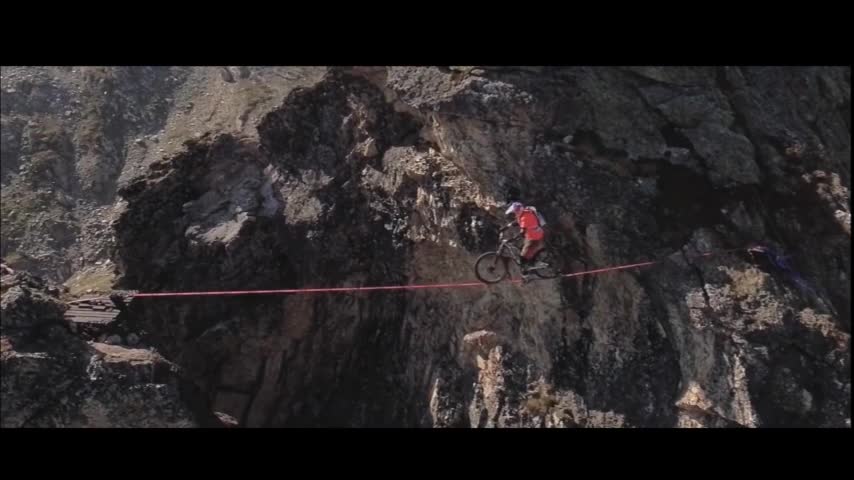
515	252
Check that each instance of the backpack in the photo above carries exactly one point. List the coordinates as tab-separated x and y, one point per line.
541	220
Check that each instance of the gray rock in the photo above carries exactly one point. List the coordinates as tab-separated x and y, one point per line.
28	302
692	342
729	156
227	420
52	378
687	334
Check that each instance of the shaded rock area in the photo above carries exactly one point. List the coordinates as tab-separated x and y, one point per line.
400	175
53	378
395	175
70	136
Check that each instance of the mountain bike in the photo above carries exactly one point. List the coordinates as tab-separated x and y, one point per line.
493	267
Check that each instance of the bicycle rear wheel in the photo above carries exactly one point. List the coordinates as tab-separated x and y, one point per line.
490	268
548	271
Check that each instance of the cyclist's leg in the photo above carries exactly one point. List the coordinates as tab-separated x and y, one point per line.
532	263
527	254
539	246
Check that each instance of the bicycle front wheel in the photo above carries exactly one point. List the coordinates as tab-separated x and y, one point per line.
490	268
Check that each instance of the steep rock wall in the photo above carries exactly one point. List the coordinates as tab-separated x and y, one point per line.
396	175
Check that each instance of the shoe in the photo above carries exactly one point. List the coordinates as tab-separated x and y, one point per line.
527	278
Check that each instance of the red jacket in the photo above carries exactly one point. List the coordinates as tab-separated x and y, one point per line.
530	224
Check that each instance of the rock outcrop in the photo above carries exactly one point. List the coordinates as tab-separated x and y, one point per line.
71	135
395	175
52	378
243	178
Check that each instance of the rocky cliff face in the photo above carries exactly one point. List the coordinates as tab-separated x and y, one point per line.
53	378
381	176
71	135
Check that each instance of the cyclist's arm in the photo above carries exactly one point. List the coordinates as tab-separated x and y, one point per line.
519	235
505	227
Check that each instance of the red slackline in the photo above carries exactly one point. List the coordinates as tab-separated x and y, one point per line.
392	287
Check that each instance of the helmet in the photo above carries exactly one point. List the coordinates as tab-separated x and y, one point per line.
514	207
